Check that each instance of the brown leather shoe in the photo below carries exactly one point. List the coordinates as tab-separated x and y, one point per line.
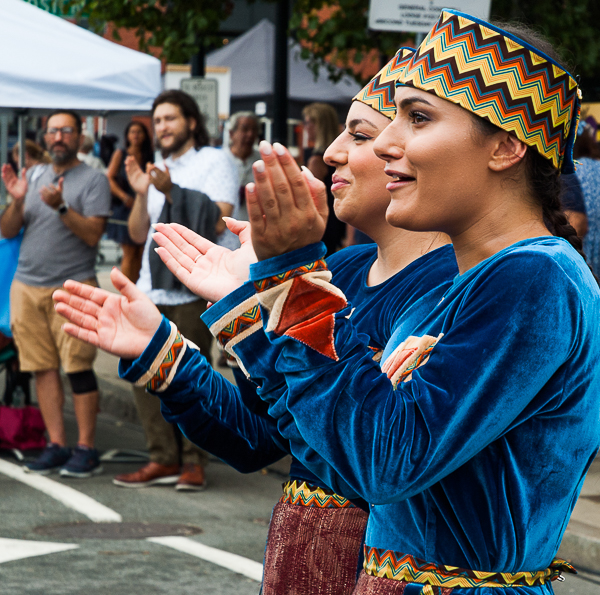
152	474
192	478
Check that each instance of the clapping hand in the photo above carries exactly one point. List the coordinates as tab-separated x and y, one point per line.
17	187
287	207
160	179
138	179
208	270
120	324
52	195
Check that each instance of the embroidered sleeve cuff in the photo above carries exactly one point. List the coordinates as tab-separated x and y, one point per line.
232	301
233	320
297	299
133	370
277	270
157	366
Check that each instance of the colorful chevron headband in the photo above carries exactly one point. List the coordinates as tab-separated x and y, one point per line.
379	91
500	78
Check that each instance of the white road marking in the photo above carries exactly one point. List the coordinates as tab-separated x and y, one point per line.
64	494
232	562
15	549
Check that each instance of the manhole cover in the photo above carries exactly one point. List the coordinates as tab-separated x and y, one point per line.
116	530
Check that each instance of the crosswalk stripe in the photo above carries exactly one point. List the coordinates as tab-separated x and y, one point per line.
64	494
233	562
16	549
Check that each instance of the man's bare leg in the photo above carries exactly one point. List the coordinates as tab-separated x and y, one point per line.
86	411
51	399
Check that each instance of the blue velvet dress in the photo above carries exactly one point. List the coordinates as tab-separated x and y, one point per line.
473	446
232	422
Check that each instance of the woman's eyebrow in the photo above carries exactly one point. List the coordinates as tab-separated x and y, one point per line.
410	100
358	121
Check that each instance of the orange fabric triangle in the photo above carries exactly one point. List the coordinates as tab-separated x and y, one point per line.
317	334
299	320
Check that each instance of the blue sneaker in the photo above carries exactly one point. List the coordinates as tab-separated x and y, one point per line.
83	463
52	458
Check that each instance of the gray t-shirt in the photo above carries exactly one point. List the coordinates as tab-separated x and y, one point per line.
51	253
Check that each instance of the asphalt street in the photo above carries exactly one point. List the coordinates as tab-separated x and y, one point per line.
232	515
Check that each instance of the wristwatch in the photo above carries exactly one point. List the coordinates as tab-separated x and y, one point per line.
62	208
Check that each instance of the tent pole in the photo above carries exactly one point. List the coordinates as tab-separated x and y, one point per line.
22	119
197	61
3	153
280	84
89	126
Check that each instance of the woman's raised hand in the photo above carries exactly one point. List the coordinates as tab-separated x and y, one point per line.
287	207
206	269
120	324
138	179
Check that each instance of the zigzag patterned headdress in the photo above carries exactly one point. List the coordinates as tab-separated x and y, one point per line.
500	78
378	93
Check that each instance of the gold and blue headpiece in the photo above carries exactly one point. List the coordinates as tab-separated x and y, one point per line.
378	93
500	78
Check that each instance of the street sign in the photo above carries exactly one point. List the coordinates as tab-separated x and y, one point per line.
205	92
419	16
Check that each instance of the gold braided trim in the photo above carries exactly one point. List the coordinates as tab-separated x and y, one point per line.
404	567
301	493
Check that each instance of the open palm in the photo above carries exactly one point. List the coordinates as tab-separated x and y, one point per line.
17	187
206	269
137	178
120	324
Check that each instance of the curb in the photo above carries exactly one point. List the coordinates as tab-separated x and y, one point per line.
116	402
581	546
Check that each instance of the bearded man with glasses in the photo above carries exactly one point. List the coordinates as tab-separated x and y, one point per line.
63	213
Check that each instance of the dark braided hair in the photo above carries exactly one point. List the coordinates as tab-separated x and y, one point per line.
543	179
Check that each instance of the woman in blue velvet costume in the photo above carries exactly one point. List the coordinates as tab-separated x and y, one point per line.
315	535
473	445
472	440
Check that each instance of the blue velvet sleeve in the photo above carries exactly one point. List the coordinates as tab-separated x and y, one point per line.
209	409
257	355
492	355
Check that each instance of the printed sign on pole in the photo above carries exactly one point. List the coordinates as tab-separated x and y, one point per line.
205	92
419	16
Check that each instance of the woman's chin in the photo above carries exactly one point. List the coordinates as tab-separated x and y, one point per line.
398	216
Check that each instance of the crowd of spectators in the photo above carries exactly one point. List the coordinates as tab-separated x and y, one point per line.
71	193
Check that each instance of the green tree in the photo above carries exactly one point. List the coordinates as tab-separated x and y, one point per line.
341	39
572	25
174	26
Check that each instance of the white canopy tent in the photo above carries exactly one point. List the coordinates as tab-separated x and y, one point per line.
250	57
49	63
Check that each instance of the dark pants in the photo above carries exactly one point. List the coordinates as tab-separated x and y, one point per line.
162	437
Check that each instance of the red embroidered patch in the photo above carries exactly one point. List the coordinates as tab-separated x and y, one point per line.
299	320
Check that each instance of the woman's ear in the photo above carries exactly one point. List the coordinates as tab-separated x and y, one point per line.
507	151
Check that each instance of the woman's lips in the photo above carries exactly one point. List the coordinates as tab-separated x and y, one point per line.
338	182
399	180
338	185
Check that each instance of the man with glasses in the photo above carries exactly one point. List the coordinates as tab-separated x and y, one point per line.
63	212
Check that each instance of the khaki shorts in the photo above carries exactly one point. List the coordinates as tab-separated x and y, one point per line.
36	328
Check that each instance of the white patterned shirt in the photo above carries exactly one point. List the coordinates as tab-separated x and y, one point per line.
206	170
